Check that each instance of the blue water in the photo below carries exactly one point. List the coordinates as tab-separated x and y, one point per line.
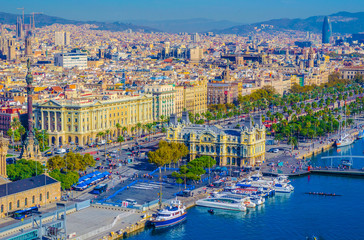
355	149
285	216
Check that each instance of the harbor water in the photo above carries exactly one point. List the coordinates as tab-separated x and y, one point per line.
286	216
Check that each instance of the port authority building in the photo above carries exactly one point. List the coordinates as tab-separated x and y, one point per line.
243	146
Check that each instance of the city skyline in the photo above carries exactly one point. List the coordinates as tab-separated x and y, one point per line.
241	12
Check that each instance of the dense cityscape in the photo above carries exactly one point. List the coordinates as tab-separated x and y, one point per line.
115	133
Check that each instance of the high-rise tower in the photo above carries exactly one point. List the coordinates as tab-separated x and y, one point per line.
326	30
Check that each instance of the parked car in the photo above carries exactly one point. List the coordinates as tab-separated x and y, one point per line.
48	153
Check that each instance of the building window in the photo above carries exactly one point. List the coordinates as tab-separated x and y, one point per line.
10	206
33	199
47	195
40	197
2	208
26	201
228	161
18	204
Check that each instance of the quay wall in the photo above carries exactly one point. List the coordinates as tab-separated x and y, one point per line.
321	148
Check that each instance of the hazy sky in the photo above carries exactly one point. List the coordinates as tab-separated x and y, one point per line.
244	11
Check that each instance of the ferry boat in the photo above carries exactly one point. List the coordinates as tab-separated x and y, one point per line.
171	215
222	202
283	188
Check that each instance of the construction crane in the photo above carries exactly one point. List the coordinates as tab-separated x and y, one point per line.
33	27
23	13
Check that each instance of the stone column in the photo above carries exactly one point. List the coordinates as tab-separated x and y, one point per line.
42	119
55	121
49	120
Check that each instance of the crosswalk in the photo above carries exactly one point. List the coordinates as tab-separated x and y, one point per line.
146	186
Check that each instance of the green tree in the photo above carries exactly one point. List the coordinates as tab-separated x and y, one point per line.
23	169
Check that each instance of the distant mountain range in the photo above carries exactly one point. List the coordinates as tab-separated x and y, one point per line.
45	20
186	25
342	22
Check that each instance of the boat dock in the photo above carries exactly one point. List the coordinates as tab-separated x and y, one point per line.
346	172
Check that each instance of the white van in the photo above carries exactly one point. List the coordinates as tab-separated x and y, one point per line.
60	151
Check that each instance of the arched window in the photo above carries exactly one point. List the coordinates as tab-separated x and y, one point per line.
233	161
197	148
202	149
33	199
212	149
207	149
26	201
10	205
40	197
18	204
47	195
228	149
228	161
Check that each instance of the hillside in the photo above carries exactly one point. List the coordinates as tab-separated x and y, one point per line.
342	22
45	20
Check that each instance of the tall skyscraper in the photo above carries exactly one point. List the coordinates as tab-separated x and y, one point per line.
326	30
62	38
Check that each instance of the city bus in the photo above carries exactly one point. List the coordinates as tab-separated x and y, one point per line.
20	214
99	189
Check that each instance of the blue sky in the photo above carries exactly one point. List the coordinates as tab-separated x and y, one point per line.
244	11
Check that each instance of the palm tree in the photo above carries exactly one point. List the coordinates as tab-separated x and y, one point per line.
124	131
292	141
100	135
278	137
139	127
118	127
120	140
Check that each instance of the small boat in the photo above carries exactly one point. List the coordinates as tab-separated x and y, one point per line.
211	211
346	163
344	140
222	202
171	215
323	194
257	200
283	188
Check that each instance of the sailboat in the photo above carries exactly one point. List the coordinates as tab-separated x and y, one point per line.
345	138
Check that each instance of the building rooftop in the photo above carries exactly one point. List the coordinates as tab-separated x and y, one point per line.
25	184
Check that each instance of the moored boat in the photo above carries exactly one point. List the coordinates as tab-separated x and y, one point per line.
171	215
222	202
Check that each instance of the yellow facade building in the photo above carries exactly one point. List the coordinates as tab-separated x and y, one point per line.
191	98
229	147
79	121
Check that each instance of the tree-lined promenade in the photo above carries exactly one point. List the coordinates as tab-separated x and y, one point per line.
301	100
